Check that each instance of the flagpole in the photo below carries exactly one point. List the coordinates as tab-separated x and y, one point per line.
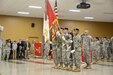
46	37
43	40
56	3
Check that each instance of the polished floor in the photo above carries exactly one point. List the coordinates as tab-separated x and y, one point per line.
39	68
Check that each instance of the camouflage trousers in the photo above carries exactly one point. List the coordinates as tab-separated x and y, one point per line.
77	57
104	53
57	55
96	54
0	54
109	53
87	57
65	57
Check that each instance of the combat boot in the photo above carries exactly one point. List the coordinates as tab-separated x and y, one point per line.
60	67
65	68
95	62
85	67
77	70
70	69
88	67
55	67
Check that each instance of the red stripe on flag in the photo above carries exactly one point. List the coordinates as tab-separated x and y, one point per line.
50	13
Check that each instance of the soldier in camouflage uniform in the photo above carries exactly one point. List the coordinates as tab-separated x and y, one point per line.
86	46
66	48
71	54
57	50
96	49
111	48
77	48
104	48
101	48
1	46
46	49
54	52
6	50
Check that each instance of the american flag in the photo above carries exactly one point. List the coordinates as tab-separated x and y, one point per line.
56	9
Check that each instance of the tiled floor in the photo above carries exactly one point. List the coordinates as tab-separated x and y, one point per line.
31	68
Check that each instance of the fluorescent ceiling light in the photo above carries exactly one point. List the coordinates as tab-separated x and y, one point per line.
37	7
88	17
26	13
74	10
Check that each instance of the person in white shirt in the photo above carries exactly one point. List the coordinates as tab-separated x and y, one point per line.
14	47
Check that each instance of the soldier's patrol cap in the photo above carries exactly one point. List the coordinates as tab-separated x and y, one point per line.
66	28
76	29
62	28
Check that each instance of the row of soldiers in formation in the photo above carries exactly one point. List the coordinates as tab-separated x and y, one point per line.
67	49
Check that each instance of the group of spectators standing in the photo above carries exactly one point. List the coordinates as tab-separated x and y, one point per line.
14	50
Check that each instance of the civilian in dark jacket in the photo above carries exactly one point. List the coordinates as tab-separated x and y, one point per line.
27	48
23	45
19	47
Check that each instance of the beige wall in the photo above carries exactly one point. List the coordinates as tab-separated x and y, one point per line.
20	27
100	29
